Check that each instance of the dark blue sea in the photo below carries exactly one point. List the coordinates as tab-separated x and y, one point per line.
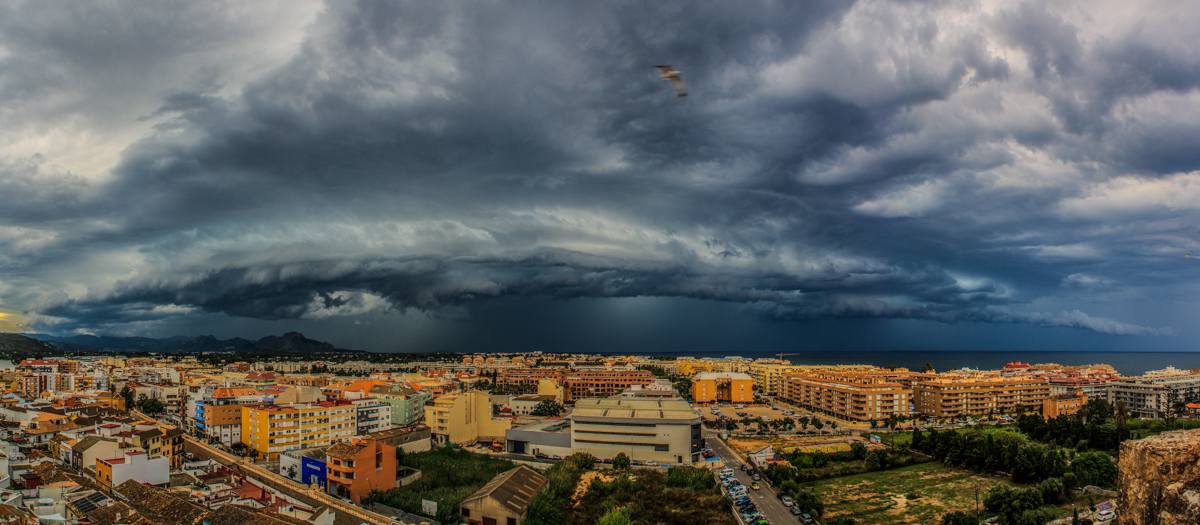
1127	363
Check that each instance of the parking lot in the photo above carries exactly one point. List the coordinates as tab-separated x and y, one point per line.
751	411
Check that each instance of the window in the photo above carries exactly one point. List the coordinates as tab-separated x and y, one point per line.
466	513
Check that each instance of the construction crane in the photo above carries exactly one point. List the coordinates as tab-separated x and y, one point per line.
781	356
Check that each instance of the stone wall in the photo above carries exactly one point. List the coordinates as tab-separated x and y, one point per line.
1159	479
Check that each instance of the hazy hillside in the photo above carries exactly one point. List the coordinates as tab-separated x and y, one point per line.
291	342
17	343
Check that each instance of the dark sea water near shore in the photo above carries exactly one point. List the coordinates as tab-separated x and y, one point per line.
1127	363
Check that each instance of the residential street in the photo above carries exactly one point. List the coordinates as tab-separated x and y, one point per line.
766	500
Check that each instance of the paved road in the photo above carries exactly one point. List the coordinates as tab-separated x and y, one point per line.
766	500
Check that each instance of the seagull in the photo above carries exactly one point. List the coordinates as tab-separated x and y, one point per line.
669	74
1189	255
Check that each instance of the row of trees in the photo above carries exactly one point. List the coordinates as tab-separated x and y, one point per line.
1098	425
1003	451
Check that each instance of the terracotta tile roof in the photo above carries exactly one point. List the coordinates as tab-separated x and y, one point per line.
514	489
344	450
159	505
233	514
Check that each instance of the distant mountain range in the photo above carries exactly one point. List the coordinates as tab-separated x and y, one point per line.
19	344
291	343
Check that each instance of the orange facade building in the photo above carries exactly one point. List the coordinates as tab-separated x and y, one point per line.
360	466
1063	405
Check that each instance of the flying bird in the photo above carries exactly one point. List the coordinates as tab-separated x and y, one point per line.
669	74
1189	255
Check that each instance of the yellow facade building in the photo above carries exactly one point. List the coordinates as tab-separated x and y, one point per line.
464	418
274	429
722	387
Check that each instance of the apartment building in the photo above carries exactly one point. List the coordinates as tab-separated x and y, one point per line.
1093	387
768	373
1141	398
371	415
464	418
666	431
952	396
407	404
1063	404
357	467
768	376
722	387
342	416
525	380
903	376
591	383
274	429
851	396
1150	394
217	414
136	465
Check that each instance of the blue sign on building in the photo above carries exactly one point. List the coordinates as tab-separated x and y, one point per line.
312	472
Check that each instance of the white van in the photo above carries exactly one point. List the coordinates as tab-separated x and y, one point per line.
726	472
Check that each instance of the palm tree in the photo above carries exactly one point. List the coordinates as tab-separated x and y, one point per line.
892	421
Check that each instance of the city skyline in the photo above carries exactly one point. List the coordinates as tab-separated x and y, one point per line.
394	176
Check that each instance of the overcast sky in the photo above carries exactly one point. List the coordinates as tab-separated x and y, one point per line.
515	175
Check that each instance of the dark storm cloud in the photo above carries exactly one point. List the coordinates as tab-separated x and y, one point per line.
835	159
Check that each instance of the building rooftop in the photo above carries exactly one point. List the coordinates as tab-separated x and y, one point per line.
703	376
634	408
514	489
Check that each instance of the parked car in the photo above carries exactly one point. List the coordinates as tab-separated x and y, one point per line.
651	463
754	485
756	477
807	520
787	500
608	460
555	456
744	468
637	462
1105	515
795	511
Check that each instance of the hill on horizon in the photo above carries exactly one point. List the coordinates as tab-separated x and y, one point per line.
291	342
17	343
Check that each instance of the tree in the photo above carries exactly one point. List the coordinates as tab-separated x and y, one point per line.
858	449
808	502
127	393
832	424
818	424
149	405
928	368
238	447
959	517
1094	468
291	472
730	425
1012	503
547	408
621	461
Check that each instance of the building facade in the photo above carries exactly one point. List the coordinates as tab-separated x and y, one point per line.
666	431
591	383
955	396
464	418
722	387
848	396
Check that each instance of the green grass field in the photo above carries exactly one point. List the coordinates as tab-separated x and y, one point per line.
914	494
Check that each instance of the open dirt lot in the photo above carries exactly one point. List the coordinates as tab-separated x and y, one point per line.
918	494
746	445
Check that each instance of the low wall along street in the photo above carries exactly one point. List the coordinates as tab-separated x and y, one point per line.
347	513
